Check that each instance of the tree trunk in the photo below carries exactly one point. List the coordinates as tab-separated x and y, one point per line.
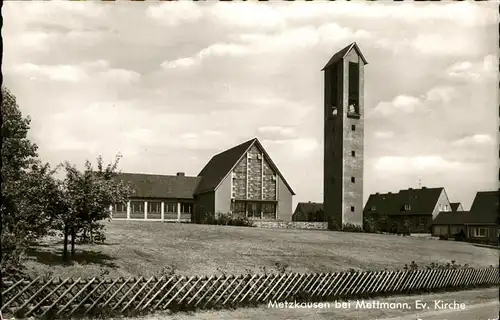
65	250
73	236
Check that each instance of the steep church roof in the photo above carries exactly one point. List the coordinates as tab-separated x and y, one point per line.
343	53
223	163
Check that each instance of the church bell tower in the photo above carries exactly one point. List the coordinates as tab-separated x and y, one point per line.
343	137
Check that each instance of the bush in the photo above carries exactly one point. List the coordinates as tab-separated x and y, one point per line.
227	219
436	265
349	227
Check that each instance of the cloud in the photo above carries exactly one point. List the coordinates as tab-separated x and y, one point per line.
175	13
276	132
299	147
401	103
404	104
466	71
441	94
87	71
384	134
56	72
466	14
247	15
474	140
283	43
426	164
179	63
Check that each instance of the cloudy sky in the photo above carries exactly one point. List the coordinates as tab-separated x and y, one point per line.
170	84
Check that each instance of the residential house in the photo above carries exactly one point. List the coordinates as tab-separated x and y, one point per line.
456	206
410	210
479	224
309	211
242	181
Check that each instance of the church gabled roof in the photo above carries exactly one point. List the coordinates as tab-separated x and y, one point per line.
223	163
342	53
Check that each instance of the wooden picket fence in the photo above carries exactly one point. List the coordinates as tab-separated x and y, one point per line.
70	297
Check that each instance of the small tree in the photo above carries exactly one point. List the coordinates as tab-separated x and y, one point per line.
88	196
24	179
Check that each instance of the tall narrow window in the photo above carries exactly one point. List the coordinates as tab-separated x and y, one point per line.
353	153
352	208
353	88
353	179
353	127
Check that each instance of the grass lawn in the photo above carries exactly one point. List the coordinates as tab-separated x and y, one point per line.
144	248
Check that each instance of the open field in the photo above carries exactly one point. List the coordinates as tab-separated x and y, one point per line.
144	248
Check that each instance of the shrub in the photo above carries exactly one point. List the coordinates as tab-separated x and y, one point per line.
349	227
227	219
436	265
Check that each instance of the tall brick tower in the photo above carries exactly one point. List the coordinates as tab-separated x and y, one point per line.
343	137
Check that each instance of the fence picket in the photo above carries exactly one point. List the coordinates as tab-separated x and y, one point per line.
209	289
44	297
159	291
18	294
285	284
149	292
178	292
136	295
76	296
295	275
251	288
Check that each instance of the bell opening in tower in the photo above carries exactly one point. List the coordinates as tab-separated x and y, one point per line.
353	99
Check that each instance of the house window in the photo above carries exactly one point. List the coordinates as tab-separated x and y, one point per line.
373	208
238	207
186	207
446	207
254	210
269	210
121	207
407	207
352	208
136	206
422	221
353	127
353	180
479	232
170	207
154	207
353	153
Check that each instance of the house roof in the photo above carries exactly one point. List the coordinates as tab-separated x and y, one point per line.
160	186
484	210
308	207
485	201
342	53
223	163
464	217
454	206
421	201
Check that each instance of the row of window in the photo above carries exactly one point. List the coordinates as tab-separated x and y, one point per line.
255	210
477	232
154	207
